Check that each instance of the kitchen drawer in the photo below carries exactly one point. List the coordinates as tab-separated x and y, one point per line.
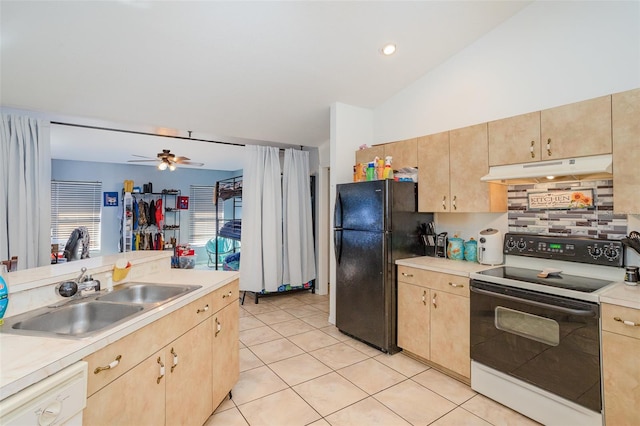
609	312
454	284
224	295
137	346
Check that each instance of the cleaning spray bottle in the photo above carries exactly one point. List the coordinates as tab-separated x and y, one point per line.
4	292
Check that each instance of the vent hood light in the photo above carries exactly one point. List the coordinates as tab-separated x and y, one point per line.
579	168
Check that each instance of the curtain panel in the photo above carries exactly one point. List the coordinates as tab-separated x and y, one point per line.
25	190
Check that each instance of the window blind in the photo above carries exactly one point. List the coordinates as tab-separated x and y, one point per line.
75	204
202	214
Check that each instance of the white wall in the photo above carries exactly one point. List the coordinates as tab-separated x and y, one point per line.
551	53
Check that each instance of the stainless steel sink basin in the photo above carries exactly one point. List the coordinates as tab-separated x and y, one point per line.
78	319
144	293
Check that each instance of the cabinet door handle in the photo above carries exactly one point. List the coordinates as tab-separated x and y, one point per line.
533	154
227	295
175	360
454	202
161	370
218	327
456	285
444	202
424	297
434	301
549	147
626	322
205	309
404	274
112	364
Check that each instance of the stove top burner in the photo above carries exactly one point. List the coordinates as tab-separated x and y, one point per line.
568	282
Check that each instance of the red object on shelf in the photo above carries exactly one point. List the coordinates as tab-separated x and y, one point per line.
183	202
183	251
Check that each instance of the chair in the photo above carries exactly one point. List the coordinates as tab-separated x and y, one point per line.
224	247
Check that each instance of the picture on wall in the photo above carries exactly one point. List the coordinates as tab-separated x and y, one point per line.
110	199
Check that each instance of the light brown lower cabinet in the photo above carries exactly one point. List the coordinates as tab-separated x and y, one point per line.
181	382
433	318
620	365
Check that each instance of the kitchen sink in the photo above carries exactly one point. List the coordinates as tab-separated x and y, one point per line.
143	293
86	316
78	319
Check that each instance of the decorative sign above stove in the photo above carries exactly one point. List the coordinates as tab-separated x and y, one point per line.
561	200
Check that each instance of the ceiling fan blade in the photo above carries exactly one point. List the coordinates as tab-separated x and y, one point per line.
141	156
142	161
180	159
192	163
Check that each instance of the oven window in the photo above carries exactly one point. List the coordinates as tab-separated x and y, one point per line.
532	327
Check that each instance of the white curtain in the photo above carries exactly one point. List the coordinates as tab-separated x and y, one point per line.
298	257
25	190
261	258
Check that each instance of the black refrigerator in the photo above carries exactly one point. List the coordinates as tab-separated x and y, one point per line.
375	223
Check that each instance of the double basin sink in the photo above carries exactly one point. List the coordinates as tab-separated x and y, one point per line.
87	316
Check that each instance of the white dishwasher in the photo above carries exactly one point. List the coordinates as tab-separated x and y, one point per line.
57	400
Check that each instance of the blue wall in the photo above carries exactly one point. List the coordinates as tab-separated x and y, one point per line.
112	177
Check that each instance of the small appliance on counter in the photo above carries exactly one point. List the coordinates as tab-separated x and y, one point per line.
490	247
441	244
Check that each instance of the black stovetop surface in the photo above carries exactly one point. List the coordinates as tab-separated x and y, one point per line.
569	282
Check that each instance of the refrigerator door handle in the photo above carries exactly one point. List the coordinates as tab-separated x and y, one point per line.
337	212
337	244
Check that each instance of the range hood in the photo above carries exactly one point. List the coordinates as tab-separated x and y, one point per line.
578	168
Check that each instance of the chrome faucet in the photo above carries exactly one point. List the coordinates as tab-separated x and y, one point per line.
75	288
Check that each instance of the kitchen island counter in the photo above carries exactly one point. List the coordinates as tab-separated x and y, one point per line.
28	359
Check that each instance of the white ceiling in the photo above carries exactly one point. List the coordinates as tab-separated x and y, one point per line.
237	71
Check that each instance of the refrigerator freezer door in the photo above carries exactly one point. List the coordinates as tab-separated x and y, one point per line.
361	290
361	206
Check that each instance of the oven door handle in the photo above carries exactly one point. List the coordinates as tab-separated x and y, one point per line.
577	312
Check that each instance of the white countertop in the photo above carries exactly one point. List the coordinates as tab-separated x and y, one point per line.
623	295
27	359
440	264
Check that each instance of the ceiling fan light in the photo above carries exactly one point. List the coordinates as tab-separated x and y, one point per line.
172	167
162	166
389	49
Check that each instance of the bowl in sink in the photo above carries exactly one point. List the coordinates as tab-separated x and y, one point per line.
147	293
74	319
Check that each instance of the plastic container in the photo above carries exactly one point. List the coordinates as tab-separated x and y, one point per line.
4	292
187	262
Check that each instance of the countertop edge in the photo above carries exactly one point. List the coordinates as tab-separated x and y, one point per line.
80	348
461	268
622	294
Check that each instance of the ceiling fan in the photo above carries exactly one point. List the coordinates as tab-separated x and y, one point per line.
167	160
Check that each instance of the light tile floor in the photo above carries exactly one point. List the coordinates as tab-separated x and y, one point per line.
297	369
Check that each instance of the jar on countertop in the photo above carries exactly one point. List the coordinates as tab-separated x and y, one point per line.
455	248
471	250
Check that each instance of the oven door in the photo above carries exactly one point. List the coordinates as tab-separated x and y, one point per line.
550	342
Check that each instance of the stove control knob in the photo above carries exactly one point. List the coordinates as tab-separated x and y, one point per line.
511	244
595	252
522	245
611	253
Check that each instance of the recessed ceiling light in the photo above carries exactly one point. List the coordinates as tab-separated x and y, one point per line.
389	49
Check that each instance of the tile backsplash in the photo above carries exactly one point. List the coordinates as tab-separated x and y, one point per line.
596	222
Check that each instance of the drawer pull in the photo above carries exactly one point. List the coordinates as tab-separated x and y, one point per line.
404	274
424	297
175	360
454	202
205	309
456	285
161	370
533	154
218	327
434	301
112	364
444	202
625	322
549	147
227	295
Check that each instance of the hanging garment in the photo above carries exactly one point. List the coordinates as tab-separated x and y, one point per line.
159	215
152	213
136	214
142	210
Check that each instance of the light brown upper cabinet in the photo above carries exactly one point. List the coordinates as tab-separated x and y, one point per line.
404	153
626	151
515	140
576	130
368	154
450	165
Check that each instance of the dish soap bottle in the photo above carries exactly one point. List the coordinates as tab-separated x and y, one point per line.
4	292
